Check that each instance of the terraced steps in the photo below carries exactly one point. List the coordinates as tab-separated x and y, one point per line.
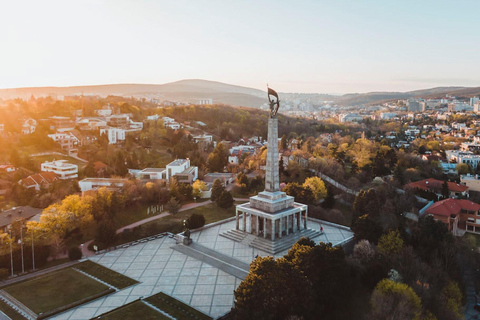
267	245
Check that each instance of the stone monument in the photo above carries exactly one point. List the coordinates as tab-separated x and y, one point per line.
272	221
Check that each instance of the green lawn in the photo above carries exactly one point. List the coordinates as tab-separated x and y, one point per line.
174	223
175	308
134	311
107	275
130	215
52	157
55	290
10	312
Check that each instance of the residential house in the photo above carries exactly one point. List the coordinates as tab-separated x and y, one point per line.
180	169
39	180
29	126
24	213
471	181
7	168
433	185
89	184
63	169
459	215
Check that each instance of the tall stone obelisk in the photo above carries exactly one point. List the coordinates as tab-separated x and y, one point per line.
271	214
272	176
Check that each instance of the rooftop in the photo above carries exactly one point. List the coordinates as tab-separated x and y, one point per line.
17	213
177	162
452	206
436	185
153	170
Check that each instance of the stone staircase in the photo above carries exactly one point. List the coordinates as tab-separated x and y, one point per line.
235	235
17	306
267	245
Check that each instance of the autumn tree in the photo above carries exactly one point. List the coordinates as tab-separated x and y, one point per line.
317	186
198	188
218	159
395	301
390	243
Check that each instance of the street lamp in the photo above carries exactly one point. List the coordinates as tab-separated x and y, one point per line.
11	252
33	253
21	245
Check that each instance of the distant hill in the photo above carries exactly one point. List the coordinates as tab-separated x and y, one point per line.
381	97
189	91
192	90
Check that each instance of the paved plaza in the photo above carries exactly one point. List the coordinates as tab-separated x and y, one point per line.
186	277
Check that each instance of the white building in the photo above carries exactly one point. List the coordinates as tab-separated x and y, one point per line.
115	135
105	111
387	115
205	101
155	117
203	138
350	117
63	169
95	183
182	170
474	101
29	126
465	157
2	127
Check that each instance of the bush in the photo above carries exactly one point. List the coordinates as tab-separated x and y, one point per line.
195	221
74	253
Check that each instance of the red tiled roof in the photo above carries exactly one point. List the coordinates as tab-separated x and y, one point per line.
452	206
98	165
39	178
436	185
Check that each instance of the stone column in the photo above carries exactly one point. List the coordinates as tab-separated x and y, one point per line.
306	216
245	221
273	229
280	227
265	228
288	226
237	224
272	178
294	224
258	227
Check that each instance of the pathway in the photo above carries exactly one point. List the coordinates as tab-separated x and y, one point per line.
214	258
164	214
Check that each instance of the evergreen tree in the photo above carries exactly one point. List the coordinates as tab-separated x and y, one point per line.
445	191
225	200
217	189
329	201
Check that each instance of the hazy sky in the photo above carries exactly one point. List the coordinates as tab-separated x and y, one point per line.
295	46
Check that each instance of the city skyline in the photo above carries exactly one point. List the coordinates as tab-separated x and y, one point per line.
303	47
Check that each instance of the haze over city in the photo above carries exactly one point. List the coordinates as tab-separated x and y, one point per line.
308	46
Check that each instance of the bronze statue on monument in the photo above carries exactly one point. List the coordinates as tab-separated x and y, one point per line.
274	104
